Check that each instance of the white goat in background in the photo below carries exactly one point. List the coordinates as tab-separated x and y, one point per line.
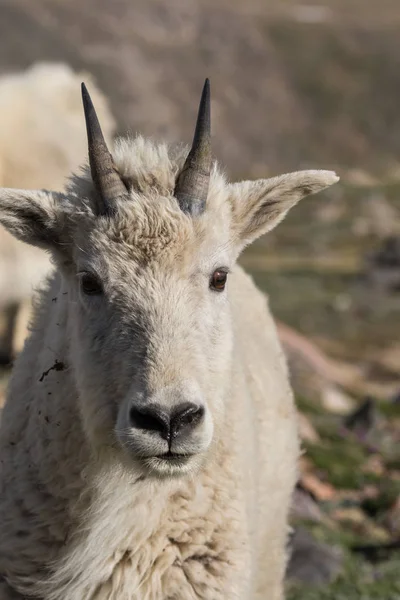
42	141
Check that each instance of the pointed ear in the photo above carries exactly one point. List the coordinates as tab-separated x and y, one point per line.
33	216
258	206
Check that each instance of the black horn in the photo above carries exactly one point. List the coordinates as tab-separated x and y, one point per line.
105	177
191	188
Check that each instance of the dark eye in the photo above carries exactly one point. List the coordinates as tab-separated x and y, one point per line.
90	284
218	280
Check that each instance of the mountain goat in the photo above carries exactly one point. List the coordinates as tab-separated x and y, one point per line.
149	439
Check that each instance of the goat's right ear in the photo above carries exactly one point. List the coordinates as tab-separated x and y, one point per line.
33	216
258	206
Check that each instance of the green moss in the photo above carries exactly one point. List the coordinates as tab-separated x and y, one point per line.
359	581
390	409
388	493
340	463
309	407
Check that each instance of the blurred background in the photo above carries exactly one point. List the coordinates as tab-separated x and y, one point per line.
294	85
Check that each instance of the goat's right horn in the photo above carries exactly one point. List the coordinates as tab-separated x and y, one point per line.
191	189
106	179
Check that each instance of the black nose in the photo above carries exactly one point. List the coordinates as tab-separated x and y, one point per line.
183	419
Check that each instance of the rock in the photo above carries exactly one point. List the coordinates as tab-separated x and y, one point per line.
396	398
363	419
311	561
304	506
383	266
388	254
374	464
351	514
319	489
336	401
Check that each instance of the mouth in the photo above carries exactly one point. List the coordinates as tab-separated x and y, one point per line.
169	464
173	456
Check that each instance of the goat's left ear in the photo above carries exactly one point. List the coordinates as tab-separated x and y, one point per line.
258	206
33	216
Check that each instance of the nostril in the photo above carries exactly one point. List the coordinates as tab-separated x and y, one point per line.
150	418
185	418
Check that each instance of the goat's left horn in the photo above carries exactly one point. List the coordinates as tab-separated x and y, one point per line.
191	189
105	177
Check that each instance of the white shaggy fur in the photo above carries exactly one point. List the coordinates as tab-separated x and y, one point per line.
42	140
82	515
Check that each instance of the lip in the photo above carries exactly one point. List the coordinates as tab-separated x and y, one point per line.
173	456
170	464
